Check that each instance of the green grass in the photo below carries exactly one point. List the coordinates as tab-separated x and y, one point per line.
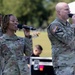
43	41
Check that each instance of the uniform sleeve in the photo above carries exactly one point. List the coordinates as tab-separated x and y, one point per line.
28	46
60	34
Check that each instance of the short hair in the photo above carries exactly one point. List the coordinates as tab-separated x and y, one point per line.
39	47
5	22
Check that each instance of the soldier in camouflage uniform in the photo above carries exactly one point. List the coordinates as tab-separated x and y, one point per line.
12	48
62	39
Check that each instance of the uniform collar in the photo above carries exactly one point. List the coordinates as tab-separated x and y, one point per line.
7	37
61	21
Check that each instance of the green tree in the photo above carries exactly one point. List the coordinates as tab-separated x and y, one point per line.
38	13
1	6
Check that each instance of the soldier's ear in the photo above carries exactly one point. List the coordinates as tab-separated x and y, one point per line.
59	12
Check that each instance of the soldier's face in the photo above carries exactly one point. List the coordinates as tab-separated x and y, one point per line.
13	22
64	12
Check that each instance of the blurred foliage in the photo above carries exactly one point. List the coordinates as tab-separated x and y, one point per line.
38	13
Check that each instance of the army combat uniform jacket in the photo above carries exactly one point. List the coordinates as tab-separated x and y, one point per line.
62	39
12	60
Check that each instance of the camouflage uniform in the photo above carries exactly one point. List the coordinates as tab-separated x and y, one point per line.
13	61
29	46
62	39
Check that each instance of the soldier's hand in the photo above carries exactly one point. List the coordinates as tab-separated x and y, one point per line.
73	19
26	32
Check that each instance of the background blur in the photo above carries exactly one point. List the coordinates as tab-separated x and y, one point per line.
36	13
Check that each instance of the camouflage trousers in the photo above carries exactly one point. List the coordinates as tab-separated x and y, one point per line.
65	70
